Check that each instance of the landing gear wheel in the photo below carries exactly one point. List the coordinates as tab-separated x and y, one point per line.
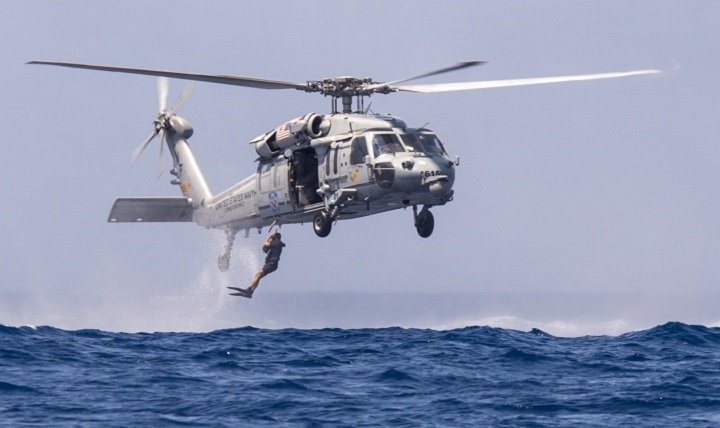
224	262
322	224
425	223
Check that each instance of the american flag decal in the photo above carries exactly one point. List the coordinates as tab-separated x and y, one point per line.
283	132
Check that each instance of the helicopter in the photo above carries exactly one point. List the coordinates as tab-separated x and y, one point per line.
317	168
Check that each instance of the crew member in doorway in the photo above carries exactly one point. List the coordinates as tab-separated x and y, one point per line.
273	248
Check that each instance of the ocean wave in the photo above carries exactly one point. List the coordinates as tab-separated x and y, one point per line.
679	333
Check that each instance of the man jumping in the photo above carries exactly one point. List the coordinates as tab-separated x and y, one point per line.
273	248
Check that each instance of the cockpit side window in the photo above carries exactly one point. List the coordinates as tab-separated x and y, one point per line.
358	151
431	143
412	143
386	143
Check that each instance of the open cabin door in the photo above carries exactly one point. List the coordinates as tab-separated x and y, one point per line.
304	179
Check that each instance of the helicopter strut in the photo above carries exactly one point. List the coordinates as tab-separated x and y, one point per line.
224	259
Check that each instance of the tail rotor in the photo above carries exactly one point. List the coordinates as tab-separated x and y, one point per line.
161	124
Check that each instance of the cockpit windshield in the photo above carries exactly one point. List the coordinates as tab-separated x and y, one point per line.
412	143
386	143
431	143
423	143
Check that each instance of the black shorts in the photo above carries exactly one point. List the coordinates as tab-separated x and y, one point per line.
269	268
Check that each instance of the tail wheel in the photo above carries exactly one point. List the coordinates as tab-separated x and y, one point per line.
322	224
224	262
425	223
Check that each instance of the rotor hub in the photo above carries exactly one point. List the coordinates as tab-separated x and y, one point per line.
341	86
346	88
161	123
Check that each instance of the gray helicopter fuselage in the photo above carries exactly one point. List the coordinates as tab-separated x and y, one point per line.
354	165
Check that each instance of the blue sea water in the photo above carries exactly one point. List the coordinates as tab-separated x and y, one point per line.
475	376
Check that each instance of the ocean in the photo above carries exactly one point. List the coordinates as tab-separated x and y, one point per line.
474	376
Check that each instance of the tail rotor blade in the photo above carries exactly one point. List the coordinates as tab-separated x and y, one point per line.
136	154
162	90
160	161
186	94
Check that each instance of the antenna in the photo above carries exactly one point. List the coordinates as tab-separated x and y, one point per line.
368	108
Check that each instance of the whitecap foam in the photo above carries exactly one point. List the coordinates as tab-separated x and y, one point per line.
559	328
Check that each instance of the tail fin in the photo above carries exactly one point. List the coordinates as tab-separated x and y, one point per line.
189	177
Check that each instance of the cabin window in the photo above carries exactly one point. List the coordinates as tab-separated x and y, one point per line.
327	162
358	151
279	170
386	143
335	161
265	176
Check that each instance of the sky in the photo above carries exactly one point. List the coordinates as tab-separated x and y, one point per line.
566	194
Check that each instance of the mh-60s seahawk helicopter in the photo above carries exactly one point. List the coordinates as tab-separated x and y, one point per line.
318	168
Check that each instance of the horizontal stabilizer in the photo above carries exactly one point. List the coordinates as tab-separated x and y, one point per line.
143	210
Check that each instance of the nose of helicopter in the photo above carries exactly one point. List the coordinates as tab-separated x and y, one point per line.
435	175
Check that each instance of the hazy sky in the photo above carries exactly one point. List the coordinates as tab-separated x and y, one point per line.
603	186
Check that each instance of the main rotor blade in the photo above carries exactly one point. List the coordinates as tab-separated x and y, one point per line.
465	86
162	90
251	82
458	66
186	94
136	154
